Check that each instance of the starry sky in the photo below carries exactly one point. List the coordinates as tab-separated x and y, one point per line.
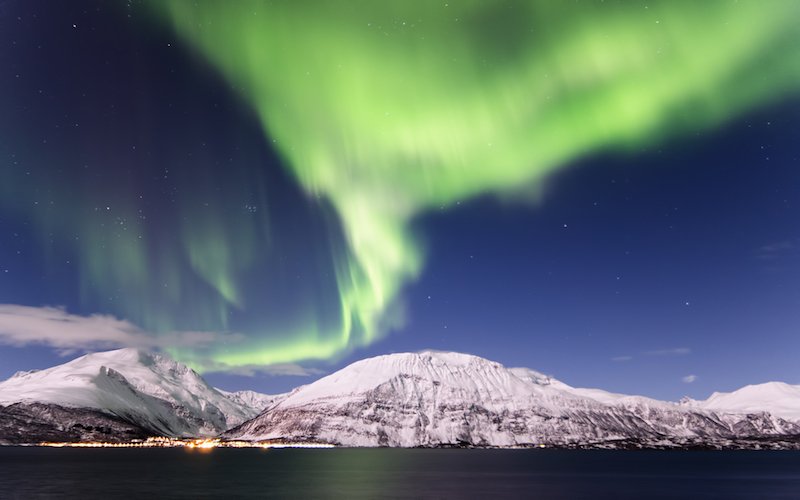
607	192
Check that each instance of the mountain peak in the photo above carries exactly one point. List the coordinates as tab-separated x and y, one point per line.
451	357
779	398
433	398
150	388
130	355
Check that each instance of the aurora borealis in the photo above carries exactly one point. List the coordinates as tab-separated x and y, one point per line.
379	114
391	109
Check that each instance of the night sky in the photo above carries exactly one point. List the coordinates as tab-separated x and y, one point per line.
607	192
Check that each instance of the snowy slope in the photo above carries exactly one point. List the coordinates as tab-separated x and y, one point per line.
253	402
410	399
150	390
777	398
436	398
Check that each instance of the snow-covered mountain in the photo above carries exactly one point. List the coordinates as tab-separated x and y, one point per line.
149	390
26	423
411	399
254	402
440	398
777	398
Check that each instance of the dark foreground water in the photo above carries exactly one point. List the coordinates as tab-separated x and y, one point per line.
381	473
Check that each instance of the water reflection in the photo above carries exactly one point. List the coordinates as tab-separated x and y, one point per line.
395	473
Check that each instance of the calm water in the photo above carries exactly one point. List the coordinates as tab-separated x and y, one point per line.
380	473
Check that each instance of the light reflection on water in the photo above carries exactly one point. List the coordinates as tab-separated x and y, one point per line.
396	473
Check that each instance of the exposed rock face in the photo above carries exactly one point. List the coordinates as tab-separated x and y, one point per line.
413	399
148	390
444	399
256	402
25	423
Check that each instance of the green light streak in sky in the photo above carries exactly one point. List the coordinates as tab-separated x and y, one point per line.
389	109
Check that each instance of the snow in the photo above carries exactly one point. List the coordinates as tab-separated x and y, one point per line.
778	398
409	399
473	377
255	402
433	398
152	389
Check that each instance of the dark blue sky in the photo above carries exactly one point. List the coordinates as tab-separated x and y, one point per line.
629	272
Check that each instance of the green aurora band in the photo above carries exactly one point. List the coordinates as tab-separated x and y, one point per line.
389	109
382	111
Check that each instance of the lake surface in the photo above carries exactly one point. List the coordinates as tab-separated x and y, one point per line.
396	473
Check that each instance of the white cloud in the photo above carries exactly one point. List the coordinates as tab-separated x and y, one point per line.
281	369
777	250
55	327
675	351
69	334
688	379
621	358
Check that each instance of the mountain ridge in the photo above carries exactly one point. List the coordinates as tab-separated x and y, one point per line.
148	389
428	398
434	398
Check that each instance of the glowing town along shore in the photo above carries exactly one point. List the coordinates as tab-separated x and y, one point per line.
201	444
